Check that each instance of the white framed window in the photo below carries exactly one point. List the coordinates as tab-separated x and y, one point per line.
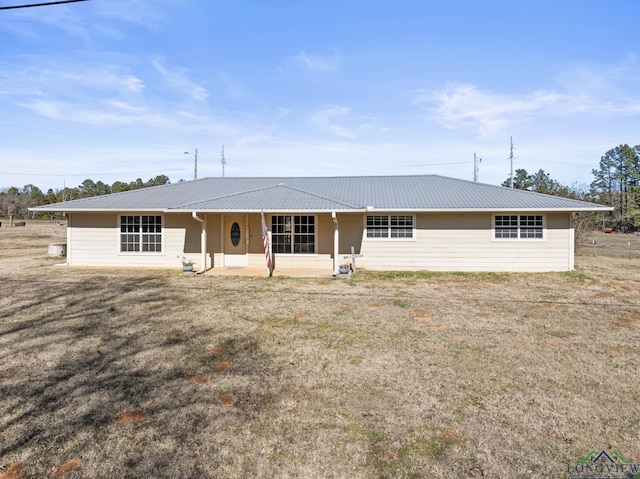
389	226
295	234
141	234
518	227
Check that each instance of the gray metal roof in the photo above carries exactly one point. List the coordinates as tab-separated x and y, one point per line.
322	194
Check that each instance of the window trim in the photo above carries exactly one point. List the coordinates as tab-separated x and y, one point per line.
365	234
293	233
519	226
140	253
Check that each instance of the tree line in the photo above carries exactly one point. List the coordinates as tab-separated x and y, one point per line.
616	183
16	202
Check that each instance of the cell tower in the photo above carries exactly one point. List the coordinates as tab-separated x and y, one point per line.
222	160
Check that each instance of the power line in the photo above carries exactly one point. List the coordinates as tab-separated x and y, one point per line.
434	164
44	4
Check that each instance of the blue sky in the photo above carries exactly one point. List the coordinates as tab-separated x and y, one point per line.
121	89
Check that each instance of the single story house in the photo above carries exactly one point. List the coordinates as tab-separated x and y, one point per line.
416	222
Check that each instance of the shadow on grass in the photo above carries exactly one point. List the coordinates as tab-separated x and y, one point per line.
101	369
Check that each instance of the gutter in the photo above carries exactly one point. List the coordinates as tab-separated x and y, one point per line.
203	242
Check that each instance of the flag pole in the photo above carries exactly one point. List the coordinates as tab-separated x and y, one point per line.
266	243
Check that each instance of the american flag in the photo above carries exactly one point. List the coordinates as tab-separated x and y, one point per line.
265	241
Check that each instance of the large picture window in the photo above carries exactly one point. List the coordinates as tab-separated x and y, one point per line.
293	234
389	226
140	234
518	227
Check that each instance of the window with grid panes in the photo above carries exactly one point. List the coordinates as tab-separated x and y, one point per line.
293	234
389	226
518	227
140	234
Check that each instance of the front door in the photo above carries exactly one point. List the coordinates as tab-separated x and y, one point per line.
235	244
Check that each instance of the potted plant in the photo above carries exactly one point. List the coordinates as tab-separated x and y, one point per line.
344	268
187	265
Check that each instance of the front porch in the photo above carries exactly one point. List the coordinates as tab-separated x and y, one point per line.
278	272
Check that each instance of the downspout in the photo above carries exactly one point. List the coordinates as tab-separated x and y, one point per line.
203	242
336	242
69	240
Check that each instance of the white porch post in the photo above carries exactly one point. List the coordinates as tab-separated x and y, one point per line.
336	242
203	241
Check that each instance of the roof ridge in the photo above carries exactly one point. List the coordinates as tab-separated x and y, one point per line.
417	175
318	195
240	193
229	195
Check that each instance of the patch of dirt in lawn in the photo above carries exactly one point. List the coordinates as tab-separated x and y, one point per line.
537	307
133	416
602	295
14	471
226	399
438	326
221	366
66	467
198	379
555	346
627	319
435	347
611	350
449	437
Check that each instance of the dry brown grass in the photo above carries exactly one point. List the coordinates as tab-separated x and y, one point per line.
150	374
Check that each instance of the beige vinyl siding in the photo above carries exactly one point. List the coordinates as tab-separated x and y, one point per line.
351	229
465	242
94	240
441	242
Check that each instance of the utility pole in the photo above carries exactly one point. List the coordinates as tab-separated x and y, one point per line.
222	160
195	163
476	167
511	159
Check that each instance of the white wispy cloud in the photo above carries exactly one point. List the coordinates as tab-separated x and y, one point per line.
603	89
107	112
32	23
339	121
146	13
597	90
466	106
315	62
105	76
177	79
90	20
48	77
